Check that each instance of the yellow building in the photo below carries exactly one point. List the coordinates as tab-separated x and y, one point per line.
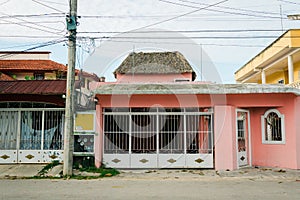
277	63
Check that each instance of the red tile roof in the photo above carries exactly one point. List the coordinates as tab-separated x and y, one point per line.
4	77
44	87
31	65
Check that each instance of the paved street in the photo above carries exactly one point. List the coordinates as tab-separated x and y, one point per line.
161	185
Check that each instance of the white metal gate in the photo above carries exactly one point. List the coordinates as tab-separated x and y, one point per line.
143	138
31	135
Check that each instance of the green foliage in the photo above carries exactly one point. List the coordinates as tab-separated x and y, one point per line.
27	77
48	167
103	172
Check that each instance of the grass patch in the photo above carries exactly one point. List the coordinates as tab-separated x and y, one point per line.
102	171
48	167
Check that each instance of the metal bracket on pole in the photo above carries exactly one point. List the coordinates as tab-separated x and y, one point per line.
71	23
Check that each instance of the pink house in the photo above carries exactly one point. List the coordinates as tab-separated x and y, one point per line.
156	116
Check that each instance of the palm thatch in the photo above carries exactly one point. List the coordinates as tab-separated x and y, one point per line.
155	63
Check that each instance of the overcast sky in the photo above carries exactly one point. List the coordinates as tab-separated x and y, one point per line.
230	33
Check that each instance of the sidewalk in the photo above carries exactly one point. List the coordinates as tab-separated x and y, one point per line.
31	170
20	170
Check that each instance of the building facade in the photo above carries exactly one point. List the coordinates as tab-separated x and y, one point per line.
279	63
149	119
32	106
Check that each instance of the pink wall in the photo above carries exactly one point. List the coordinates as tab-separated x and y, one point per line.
130	78
225	138
153	100
270	155
274	155
297	129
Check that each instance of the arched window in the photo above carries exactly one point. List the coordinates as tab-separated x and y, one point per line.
273	131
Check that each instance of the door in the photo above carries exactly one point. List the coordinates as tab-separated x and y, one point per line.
242	138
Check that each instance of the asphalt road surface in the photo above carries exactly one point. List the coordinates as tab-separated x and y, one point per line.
162	187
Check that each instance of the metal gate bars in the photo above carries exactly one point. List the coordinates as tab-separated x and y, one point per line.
172	138
31	135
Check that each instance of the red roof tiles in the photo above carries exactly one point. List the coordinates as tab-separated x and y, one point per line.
31	65
44	87
4	77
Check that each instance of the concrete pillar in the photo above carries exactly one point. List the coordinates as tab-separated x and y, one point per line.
98	137
225	137
263	77
291	69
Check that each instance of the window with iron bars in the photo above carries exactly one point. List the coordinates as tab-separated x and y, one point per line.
273	131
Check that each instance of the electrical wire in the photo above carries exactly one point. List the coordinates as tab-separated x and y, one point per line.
231	8
193	37
35	28
289	2
36	22
58	3
196	44
178	16
188	31
49	43
5	2
32	27
47	6
35	15
221	11
28	36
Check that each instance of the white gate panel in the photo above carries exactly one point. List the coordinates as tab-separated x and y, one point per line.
171	160
117	160
51	155
8	156
143	161
152	138
30	156
199	161
242	158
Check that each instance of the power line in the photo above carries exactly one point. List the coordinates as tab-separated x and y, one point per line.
28	36
5	2
231	8
289	2
178	16
32	27
186	43
47	6
192	37
35	15
19	46
36	22
58	3
222	11
49	43
188	31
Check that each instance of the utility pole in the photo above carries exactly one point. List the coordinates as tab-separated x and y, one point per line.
69	113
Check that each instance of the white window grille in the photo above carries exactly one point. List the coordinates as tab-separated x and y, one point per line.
273	131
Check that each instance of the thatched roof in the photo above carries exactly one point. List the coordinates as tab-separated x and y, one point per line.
155	63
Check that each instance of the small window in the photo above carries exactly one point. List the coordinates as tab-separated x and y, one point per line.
39	76
273	127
